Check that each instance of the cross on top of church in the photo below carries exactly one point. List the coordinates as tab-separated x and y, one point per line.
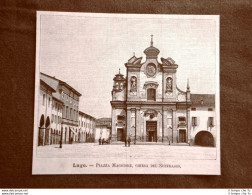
151	40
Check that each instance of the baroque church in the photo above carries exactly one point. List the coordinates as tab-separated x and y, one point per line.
148	106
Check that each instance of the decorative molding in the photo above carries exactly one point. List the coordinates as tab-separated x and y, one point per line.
150	84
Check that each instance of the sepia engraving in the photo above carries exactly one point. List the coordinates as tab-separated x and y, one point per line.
154	115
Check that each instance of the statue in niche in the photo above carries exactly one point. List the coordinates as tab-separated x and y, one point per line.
169	84
133	84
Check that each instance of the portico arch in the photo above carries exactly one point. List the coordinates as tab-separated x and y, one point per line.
41	131
204	138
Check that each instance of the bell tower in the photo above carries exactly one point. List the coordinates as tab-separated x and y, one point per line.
118	92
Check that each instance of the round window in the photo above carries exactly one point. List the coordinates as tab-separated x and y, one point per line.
151	69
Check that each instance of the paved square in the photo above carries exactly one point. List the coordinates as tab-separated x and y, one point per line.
94	150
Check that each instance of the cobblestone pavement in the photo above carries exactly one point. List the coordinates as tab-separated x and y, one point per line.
94	150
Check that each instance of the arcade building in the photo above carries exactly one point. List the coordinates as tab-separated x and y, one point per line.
148	106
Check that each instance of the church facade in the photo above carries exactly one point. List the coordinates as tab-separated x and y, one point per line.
147	105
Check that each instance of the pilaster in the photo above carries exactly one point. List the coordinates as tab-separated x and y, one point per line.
165	130
174	126
188	126
113	127
127	133
138	124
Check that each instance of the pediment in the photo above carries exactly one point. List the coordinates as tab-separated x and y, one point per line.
150	84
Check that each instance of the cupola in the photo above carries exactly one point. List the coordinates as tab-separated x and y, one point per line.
151	52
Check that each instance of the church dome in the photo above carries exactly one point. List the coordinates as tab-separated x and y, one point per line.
151	52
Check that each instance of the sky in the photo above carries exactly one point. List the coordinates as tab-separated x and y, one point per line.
87	50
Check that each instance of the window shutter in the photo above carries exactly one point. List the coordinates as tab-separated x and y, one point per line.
198	121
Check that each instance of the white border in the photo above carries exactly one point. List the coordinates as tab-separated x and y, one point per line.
189	167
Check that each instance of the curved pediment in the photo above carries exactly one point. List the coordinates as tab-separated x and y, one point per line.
150	84
150	112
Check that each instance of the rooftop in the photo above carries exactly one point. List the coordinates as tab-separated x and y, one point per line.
54	84
203	100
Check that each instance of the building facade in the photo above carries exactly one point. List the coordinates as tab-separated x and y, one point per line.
148	106
45	113
103	129
59	115
86	130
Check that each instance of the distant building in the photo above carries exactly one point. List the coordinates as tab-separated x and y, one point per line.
45	113
103	128
86	130
148	106
56	120
59	117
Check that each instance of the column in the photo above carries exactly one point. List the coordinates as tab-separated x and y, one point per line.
49	136
114	133
165	131
127	133
138	124
144	130
188	126
174	126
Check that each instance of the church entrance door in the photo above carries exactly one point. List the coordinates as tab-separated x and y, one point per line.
119	134
151	131
182	136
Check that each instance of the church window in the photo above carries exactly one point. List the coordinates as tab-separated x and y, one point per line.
120	117
181	119
151	94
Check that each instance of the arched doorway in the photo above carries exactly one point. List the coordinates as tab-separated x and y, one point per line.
41	131
204	138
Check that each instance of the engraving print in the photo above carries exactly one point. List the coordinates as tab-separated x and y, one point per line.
101	110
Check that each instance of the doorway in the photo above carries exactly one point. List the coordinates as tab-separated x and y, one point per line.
120	134
151	131
182	136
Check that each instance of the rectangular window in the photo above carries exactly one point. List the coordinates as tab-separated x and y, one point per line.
194	121
119	117
211	121
210	109
182	119
67	114
193	109
151	94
